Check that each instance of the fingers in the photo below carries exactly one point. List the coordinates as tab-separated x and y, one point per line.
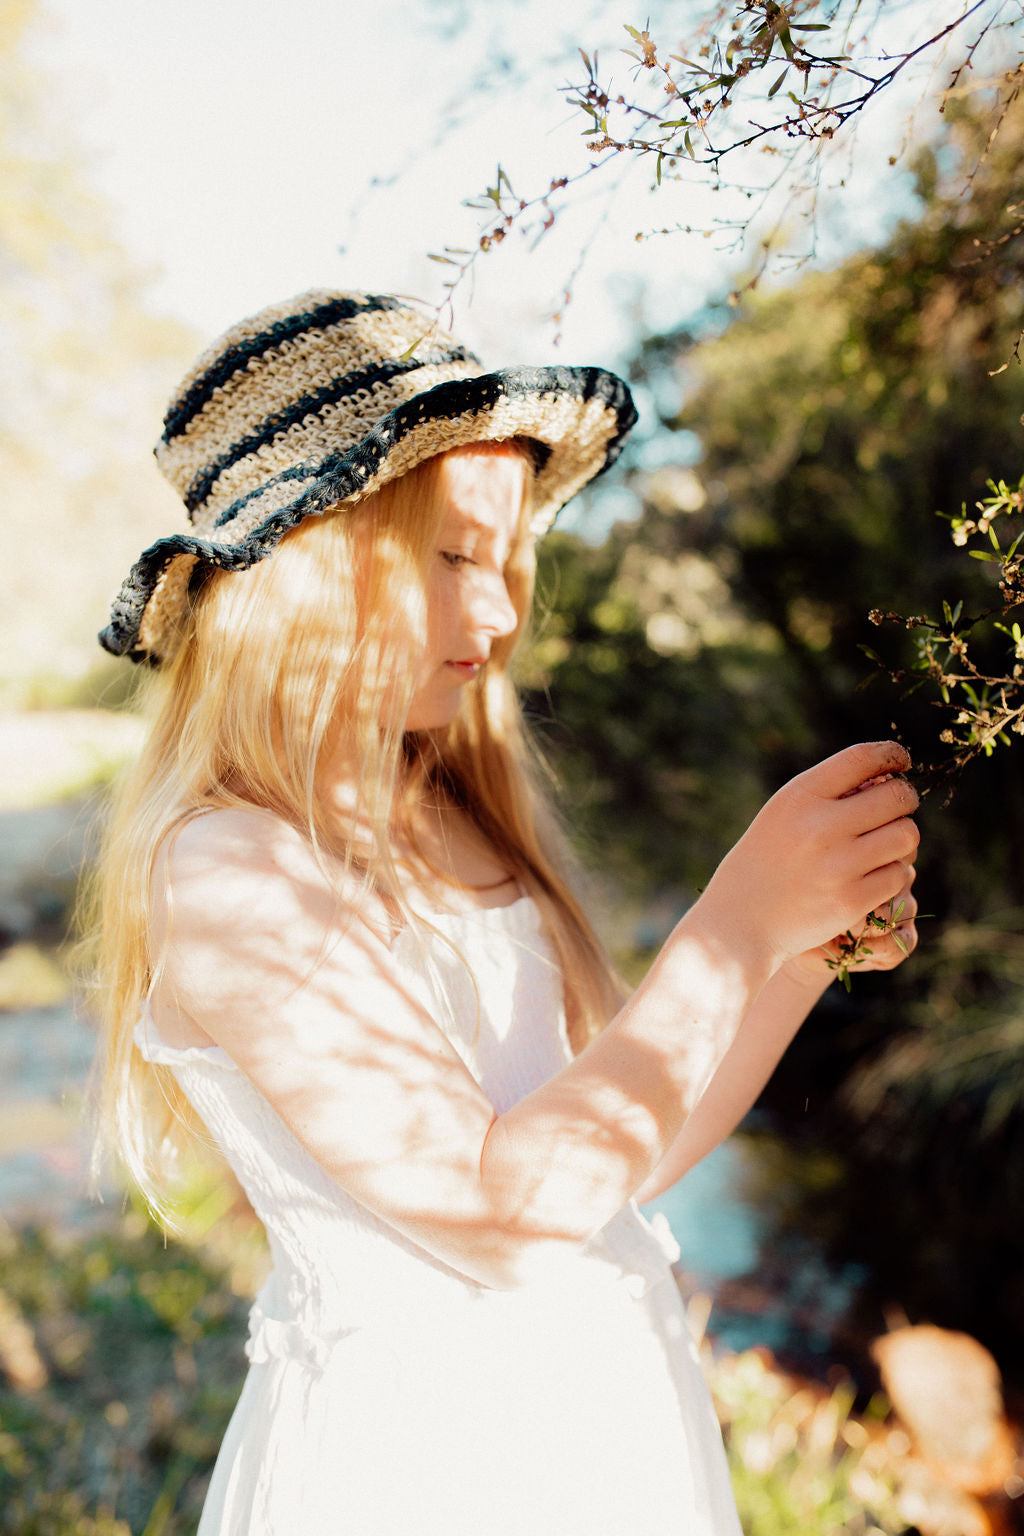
896	841
887	800
845	772
902	908
885	885
883	949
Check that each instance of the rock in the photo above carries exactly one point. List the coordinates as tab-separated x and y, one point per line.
946	1389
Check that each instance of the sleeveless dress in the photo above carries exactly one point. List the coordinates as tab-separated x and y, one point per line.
387	1394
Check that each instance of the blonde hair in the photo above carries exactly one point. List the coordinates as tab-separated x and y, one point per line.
273	663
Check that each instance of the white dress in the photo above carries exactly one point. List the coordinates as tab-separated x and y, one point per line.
387	1394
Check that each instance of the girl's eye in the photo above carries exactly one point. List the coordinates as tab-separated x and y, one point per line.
454	559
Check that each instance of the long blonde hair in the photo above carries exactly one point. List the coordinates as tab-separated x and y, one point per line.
272	663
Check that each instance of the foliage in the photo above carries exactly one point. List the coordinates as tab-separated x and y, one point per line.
799	1459
138	1343
984	706
774	89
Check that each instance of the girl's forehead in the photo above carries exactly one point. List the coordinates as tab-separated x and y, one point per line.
484	489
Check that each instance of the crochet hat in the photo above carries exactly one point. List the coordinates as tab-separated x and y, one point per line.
322	400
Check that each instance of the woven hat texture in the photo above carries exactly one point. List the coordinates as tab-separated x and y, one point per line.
322	400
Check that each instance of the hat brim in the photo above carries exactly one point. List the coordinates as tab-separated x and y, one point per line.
578	416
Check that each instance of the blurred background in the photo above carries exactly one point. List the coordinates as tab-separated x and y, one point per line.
818	376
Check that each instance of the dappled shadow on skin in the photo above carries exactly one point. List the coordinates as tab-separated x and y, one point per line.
366	1050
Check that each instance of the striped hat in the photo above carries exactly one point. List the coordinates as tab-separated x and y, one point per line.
322	400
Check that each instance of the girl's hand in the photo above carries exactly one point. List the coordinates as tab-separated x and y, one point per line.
832	845
880	949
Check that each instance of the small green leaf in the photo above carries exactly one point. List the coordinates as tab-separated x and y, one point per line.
778	83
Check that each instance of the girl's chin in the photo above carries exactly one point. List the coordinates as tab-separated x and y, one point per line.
426	719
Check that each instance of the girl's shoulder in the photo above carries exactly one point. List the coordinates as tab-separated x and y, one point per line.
234	871
242	840
234	831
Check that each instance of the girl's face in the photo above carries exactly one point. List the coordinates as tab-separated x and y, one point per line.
468	603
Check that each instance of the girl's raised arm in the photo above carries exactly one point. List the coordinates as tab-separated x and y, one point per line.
309	1003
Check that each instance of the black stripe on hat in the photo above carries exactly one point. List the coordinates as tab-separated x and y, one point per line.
461	397
348	470
311	405
235	358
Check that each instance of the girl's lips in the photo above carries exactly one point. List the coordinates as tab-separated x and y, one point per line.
467	668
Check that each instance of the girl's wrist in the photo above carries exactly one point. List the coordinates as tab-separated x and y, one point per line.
725	934
810	978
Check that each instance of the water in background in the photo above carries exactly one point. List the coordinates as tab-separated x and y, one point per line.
767	1287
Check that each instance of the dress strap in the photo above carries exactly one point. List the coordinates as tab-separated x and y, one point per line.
153	1049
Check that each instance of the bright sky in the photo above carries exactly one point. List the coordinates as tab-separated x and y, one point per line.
254	148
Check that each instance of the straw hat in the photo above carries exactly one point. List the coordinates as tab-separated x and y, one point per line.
322	400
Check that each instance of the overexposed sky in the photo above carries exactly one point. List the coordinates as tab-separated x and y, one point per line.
254	148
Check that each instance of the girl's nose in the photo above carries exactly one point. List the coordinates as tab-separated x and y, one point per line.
495	611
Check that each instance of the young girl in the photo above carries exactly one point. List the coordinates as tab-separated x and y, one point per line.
340	944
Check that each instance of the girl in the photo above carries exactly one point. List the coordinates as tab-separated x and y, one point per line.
338	937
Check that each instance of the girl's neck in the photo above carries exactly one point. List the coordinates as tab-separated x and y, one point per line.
441	859
449	863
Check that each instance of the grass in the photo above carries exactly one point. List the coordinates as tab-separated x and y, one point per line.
112	1427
